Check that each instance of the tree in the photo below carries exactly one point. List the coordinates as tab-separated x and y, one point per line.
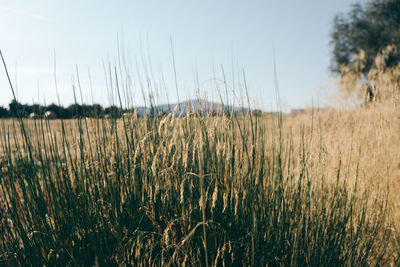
3	112
113	111
58	110
369	29
17	109
38	109
75	110
96	110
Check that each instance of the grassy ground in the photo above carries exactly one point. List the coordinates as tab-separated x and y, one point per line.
314	189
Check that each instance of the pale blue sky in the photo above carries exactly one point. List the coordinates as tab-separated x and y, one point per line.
206	34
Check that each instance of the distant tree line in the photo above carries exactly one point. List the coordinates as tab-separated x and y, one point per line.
16	109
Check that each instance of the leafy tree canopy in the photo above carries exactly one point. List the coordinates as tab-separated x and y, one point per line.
369	28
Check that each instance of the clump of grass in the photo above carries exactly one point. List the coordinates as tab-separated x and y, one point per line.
192	191
180	191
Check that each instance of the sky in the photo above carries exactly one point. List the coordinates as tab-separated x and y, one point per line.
48	44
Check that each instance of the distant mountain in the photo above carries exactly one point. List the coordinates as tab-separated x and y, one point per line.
181	109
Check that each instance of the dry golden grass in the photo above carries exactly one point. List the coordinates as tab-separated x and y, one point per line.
367	137
363	140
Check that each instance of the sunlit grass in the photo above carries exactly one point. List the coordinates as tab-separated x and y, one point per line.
179	191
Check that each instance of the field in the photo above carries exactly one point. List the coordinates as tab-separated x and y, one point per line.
317	189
